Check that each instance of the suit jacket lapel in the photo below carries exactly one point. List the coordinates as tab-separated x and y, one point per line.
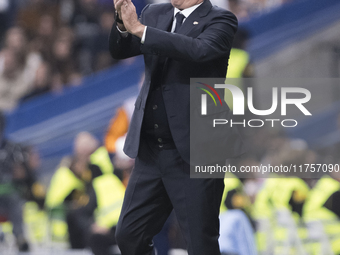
163	23
194	17
165	19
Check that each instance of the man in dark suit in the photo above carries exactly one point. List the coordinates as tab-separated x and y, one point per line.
179	40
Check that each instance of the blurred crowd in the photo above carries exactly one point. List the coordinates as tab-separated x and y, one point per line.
47	45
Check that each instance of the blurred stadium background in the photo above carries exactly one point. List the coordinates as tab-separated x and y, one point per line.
57	79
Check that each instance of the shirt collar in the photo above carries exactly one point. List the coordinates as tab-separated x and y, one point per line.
186	12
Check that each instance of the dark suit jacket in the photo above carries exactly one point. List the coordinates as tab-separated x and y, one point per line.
200	49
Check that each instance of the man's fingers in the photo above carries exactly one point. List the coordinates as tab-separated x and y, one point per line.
129	15
125	6
118	4
128	5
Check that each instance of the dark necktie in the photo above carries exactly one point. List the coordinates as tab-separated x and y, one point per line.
179	20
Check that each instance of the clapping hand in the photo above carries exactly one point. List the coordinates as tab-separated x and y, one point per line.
127	12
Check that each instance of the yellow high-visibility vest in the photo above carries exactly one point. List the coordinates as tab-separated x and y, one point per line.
238	61
231	182
262	207
284	192
110	194
276	195
313	208
102	159
62	184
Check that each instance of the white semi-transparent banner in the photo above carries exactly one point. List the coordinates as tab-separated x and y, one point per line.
268	127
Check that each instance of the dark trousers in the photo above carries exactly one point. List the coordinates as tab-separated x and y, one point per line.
78	228
11	207
102	244
159	183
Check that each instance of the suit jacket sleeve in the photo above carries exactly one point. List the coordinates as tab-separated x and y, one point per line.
214	42
124	47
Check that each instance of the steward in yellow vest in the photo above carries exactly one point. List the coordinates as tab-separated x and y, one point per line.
278	194
67	191
323	205
94	223
69	180
278	206
68	185
283	191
